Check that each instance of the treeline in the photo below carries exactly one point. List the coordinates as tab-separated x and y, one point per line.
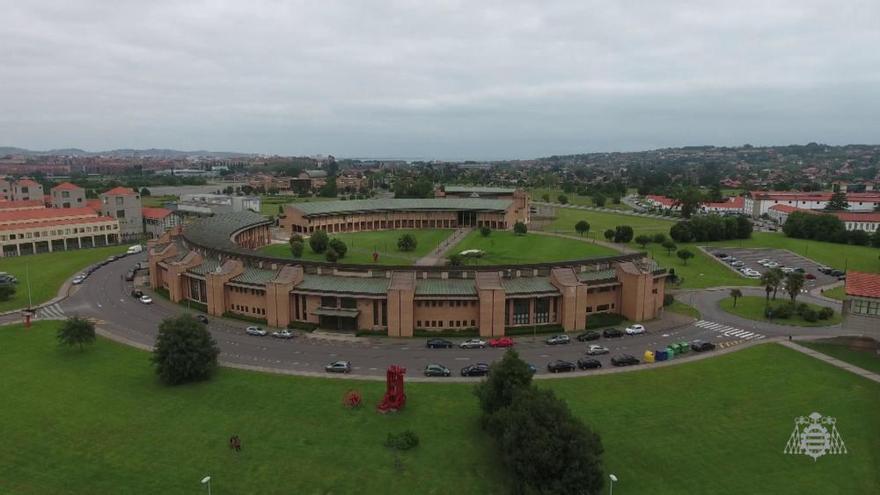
706	228
543	445
827	228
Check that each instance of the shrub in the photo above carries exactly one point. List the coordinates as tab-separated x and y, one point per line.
562	198
485	231
407	242
668	299
404	440
520	228
782	311
295	238
609	234
338	246
810	315
76	331
825	313
6	292
582	227
643	240
319	241
659	238
296	249
331	255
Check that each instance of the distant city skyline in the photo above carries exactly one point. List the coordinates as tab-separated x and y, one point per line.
454	81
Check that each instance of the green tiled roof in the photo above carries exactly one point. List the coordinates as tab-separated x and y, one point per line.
437	204
255	276
597	275
479	189
215	231
332	283
441	287
206	267
527	285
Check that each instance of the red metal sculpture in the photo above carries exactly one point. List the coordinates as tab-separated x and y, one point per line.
395	397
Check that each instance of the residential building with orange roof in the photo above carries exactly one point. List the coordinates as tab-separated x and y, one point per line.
157	221
124	204
67	195
861	306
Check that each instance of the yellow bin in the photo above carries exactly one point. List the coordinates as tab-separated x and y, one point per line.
649	356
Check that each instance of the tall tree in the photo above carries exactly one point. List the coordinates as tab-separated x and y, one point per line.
735	294
185	350
837	202
76	331
794	282
582	227
685	254
688	200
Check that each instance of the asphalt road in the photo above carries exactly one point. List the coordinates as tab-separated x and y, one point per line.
105	296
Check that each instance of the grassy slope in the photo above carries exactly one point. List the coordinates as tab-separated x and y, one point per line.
835	293
505	247
752	307
683	309
362	244
861	358
573	198
48	271
717	426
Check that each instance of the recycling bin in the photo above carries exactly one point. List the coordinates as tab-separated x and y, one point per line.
649	356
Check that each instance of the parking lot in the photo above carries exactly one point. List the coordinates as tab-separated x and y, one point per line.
749	257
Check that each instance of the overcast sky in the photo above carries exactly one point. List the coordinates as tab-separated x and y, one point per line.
422	79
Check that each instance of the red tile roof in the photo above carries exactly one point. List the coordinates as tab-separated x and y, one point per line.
67	186
26	182
735	202
28	204
94	204
44	214
844	216
788	209
813	196
155	213
663	200
120	191
56	223
863	284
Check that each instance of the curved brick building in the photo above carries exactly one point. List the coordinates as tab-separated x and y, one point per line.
212	264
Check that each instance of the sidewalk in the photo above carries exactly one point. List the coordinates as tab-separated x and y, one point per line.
438	255
832	361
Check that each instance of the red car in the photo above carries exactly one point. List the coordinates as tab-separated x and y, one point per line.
501	342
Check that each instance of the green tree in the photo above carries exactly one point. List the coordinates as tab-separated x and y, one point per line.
659	238
599	200
609	234
456	260
185	351
735	294
519	228
329	189
689	200
407	242
7	291
623	234
76	331
837	202
506	378
339	246
794	282
296	249
331	255
685	254
669	246
485	231
318	241
582	227
875	238
546	449
145	193
294	238
773	278
643	240
545	197
563	199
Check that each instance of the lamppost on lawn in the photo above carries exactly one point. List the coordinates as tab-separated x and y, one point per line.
613	479
207	481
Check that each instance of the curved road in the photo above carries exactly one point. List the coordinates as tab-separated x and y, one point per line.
105	296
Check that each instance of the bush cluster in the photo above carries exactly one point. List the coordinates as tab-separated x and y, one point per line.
826	228
787	310
404	440
706	228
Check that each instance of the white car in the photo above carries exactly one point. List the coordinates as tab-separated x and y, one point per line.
787	269
771	264
635	329
472	344
283	334
595	350
763	261
259	332
146	299
78	279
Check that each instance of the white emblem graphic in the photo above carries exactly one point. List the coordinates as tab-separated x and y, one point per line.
811	436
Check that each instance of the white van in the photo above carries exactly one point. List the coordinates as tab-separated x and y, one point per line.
137	248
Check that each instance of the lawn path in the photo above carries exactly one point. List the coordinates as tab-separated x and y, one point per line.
438	255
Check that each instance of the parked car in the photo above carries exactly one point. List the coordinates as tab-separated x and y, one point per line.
588	335
78	279
202	318
737	264
436	370
136	294
595	350
624	360
721	255
701	346
612	333
501	342
438	344
730	259
129	276
338	367
810	276
146	299
560	366
283	334
472	344
771	264
635	329
532	368
259	332
137	248
824	269
477	369
558	339
588	363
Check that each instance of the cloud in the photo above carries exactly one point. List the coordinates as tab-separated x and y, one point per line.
436	79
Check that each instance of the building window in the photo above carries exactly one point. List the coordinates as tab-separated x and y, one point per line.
520	311
542	310
602	307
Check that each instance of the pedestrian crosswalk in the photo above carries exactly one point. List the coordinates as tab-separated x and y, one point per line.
729	331
51	312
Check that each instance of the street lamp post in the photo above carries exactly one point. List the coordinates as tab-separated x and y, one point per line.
207	481
613	479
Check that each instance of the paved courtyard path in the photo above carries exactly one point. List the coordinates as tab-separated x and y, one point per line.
437	256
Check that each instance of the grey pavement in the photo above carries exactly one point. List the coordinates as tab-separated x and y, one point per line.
437	256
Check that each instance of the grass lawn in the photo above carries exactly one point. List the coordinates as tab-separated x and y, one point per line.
858	357
836	293
122	432
573	198
48	271
566	218
362	244
683	309
502	247
157	201
752	307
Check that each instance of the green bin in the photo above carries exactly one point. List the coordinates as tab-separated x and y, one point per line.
670	351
